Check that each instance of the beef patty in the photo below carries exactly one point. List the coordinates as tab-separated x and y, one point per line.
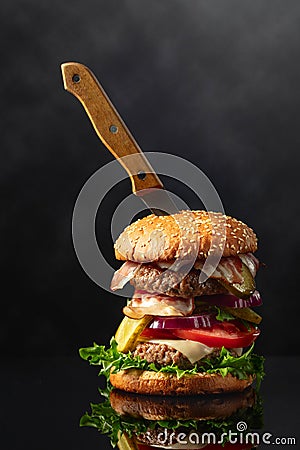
152	278
163	355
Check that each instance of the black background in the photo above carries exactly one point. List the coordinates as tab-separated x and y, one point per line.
214	82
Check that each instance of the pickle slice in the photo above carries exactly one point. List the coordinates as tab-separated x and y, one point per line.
245	314
244	289
129	331
127	443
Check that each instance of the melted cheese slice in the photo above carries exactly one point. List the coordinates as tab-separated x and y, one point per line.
192	350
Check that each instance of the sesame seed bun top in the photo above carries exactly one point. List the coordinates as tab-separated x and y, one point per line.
165	238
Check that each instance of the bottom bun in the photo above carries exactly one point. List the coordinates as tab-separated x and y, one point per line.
162	383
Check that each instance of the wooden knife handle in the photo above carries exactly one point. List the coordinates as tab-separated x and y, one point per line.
81	82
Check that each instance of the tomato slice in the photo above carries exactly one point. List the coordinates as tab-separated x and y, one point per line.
227	334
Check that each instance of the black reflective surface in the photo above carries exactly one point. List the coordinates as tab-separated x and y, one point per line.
43	400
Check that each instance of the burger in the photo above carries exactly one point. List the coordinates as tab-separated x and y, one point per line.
143	422
189	327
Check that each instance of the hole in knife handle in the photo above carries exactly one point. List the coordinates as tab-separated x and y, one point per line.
141	175
113	129
76	78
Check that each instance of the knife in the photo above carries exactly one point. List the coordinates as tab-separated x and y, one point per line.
110	128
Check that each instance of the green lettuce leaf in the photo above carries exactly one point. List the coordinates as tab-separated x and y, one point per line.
110	359
107	421
223	315
239	366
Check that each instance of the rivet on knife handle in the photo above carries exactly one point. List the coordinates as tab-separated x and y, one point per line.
111	129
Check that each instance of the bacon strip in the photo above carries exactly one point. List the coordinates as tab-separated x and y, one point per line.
123	275
251	262
229	269
144	303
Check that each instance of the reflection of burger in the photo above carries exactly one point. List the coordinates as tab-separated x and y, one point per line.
142	422
183	334
201	407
